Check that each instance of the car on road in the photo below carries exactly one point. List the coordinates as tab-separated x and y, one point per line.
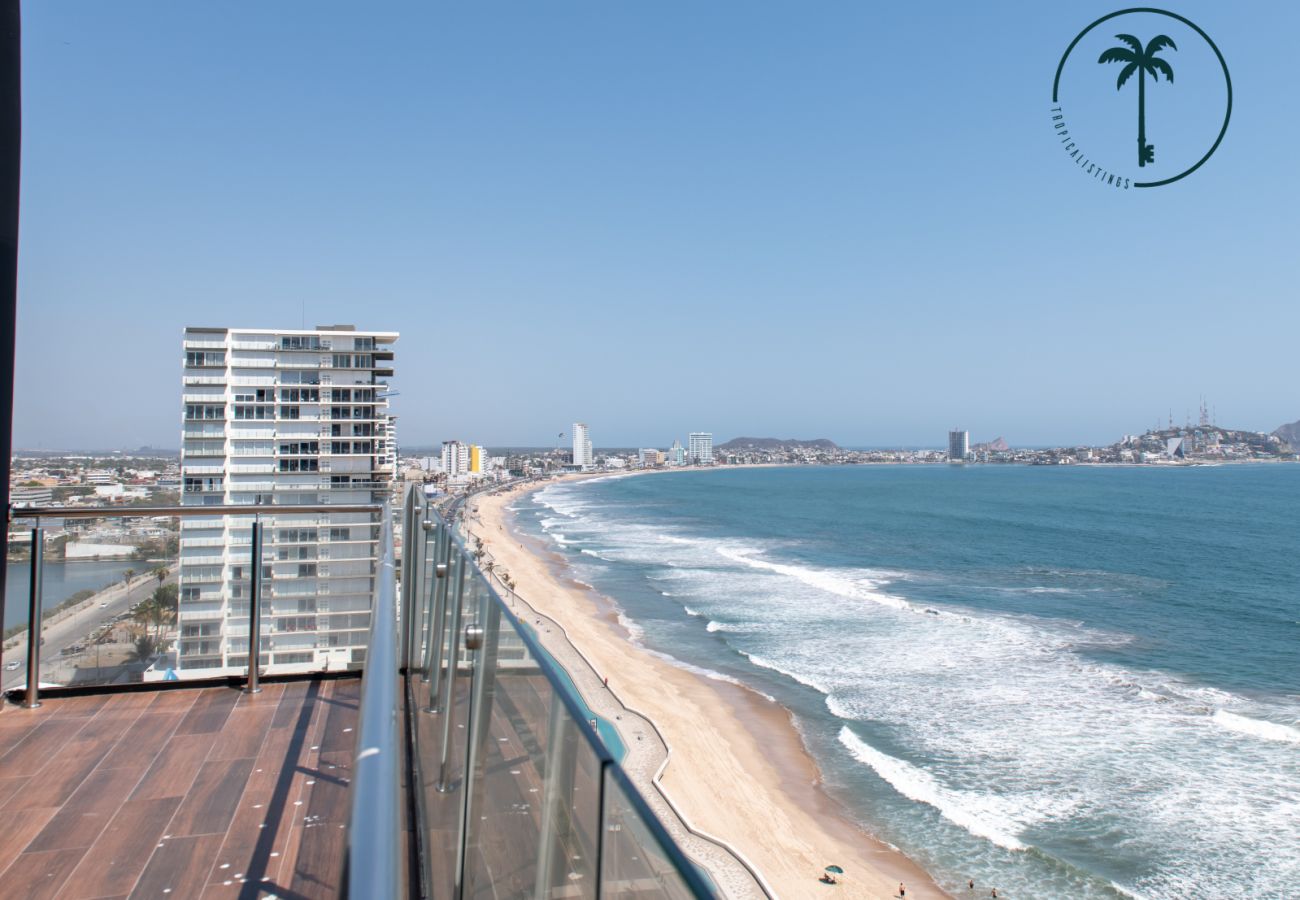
103	606
11	665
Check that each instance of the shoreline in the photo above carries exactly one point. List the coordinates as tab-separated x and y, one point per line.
734	765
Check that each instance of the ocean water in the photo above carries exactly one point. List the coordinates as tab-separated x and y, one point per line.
1062	682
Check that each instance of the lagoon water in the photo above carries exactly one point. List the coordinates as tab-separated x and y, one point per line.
59	581
1063	682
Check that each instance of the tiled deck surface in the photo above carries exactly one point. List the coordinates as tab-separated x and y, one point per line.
202	792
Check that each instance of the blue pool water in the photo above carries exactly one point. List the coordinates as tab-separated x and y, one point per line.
1066	682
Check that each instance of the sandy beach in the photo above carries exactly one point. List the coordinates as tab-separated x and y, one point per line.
735	768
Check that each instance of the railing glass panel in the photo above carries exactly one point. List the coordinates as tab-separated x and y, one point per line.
152	595
519	796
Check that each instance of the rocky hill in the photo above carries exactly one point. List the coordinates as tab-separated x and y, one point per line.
752	443
1290	434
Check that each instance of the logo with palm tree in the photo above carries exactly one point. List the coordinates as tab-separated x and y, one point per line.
1141	61
1087	130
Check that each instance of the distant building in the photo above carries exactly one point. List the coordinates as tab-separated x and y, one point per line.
958	446
700	448
1176	448
455	458
31	496
650	458
582	455
677	454
477	459
276	418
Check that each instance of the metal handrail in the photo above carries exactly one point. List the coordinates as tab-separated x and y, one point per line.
375	839
141	512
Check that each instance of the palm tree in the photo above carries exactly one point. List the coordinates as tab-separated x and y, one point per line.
127	576
161	574
143	649
1141	61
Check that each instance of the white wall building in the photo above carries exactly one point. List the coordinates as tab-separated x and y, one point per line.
455	458
274	418
699	448
582	455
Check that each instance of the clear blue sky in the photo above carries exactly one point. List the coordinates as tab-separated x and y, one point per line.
846	220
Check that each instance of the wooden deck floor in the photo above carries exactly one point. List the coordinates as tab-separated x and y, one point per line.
203	793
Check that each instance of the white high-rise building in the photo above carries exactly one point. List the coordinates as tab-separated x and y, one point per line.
455	458
958	446
582	446
275	418
699	448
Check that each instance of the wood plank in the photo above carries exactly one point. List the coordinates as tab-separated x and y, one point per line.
288	711
11	786
66	770
175	699
35	876
88	811
19	829
270	695
31	754
179	868
173	770
141	742
116	859
244	733
253	843
209	712
211	802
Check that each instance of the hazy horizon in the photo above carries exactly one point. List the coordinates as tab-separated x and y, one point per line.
749	219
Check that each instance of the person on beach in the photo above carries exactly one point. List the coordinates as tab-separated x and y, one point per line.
995	894
971	884
902	891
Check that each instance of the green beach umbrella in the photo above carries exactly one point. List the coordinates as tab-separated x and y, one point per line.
835	869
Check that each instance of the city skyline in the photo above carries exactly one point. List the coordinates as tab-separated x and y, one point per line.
825	258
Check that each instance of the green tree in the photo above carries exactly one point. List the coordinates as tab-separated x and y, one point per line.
1142	61
144	649
127	576
161	573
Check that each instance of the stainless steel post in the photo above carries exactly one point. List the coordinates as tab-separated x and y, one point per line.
409	519
33	698
449	694
255	612
441	590
482	639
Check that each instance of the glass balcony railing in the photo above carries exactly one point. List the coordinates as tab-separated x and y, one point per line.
518	795
126	595
473	748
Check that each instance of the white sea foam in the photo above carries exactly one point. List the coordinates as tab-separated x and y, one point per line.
766	664
829	580
634	631
690	612
1269	731
714	626
917	784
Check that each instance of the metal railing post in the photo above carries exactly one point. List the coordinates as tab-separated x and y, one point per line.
255	612
441	588
408	575
33	698
449	694
483	640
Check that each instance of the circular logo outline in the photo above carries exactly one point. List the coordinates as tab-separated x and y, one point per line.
1056	82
